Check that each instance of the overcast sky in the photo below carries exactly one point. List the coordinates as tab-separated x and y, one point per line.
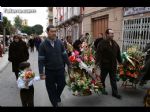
37	15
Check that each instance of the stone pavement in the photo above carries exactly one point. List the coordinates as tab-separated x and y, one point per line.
3	61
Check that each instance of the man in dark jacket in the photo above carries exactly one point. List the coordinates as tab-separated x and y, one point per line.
98	40
107	54
146	70
18	52
52	56
31	44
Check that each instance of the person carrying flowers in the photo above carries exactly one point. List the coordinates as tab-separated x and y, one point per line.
68	45
25	83
77	46
146	69
107	55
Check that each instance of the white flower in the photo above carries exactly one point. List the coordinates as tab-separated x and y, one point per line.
76	93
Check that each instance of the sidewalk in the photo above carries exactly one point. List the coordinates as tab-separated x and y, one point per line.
3	61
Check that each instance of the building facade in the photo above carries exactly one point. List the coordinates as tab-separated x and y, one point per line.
136	27
98	19
50	15
131	25
25	22
68	20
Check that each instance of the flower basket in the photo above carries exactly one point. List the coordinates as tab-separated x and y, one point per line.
130	71
82	79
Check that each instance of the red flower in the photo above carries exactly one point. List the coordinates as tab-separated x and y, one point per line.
93	81
91	58
72	58
141	67
121	72
128	73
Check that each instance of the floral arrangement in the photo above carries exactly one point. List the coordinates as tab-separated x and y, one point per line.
27	75
132	65
82	84
26	79
83	79
69	47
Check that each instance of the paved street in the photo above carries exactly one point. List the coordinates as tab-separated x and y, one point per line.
9	93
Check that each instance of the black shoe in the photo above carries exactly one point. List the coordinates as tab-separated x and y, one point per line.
59	100
104	92
117	96
142	83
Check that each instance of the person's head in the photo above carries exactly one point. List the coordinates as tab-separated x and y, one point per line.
87	34
51	32
24	66
100	35
77	45
16	38
69	39
109	34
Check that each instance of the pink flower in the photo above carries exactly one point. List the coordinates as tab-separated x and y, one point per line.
85	58
78	60
76	52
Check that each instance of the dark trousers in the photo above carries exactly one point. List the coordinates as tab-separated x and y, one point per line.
146	71
55	83
32	48
16	74
27	97
112	76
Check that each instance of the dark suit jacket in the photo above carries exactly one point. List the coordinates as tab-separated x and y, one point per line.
107	55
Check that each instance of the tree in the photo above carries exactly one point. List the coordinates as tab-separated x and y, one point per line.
7	25
27	29
18	22
37	29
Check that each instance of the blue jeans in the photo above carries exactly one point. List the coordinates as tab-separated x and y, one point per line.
55	83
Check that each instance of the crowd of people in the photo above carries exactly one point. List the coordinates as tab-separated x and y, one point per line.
53	56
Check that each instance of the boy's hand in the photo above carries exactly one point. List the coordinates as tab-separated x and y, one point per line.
42	77
26	84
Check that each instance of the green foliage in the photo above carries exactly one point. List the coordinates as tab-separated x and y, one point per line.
18	22
37	29
27	29
7	25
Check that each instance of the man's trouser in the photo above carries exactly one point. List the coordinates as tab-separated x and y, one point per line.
55	83
112	76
